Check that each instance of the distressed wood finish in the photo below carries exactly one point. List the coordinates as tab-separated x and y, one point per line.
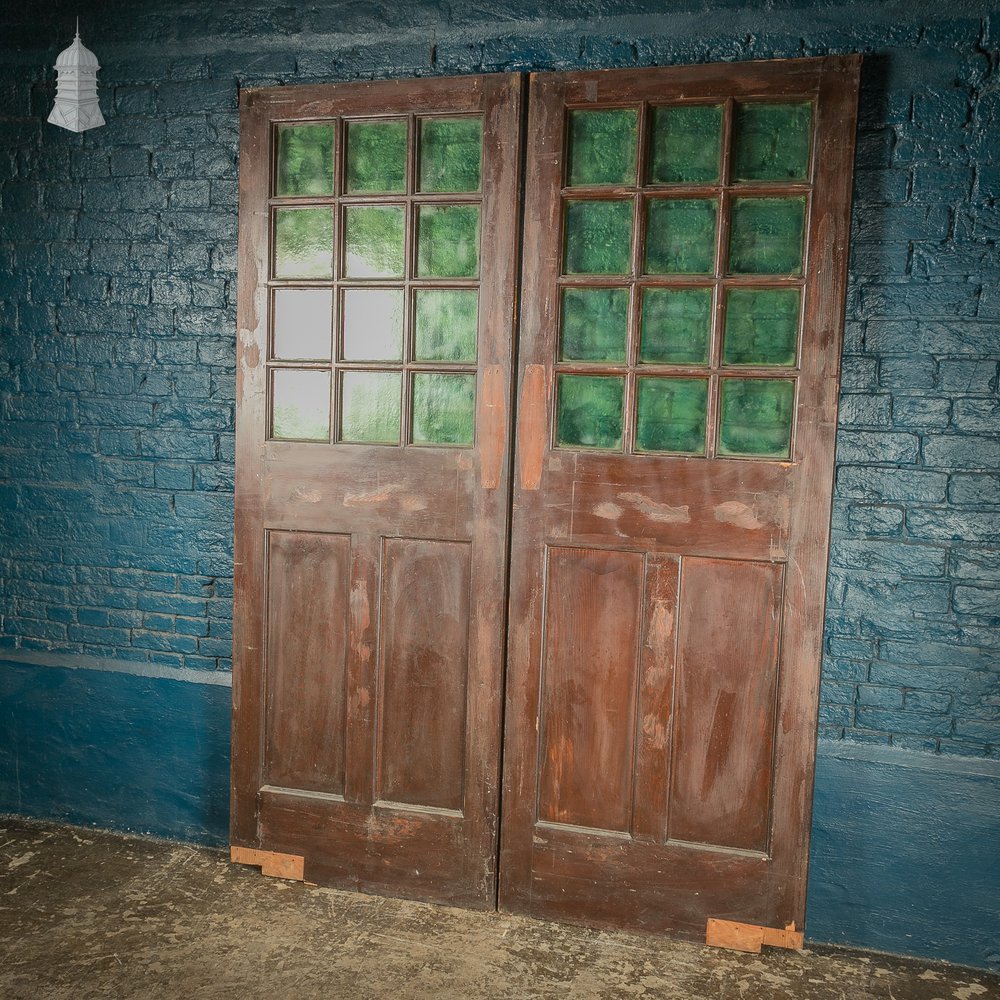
696	731
370	581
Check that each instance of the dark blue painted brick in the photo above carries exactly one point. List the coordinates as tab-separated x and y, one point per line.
913	723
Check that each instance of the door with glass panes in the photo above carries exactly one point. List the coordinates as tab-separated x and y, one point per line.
680	305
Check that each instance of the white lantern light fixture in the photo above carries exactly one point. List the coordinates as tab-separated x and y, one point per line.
76	106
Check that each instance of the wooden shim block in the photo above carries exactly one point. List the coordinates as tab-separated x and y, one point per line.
271	863
750	937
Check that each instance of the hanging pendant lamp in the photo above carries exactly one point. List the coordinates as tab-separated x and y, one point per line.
76	107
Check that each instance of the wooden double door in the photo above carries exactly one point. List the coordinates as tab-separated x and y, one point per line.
534	454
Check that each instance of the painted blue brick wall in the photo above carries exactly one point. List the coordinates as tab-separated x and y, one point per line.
117	284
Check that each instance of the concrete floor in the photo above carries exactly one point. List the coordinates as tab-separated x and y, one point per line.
90	914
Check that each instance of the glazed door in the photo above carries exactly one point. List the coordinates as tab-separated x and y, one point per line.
685	247
378	234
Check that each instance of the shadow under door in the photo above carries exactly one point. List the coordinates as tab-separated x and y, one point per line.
645	727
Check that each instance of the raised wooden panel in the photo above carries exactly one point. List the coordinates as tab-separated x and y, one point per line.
730	618
308	597
424	670
592	623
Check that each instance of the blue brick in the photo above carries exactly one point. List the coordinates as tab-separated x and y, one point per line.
215	647
964	377
172	604
864	447
920	412
159	640
865	482
937	702
912	723
954	451
875	519
978	601
974	565
873	696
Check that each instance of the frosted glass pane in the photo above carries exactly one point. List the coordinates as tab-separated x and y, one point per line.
303	320
373	324
301	405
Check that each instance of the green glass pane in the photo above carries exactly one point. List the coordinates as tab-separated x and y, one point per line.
448	241
301	405
370	407
444	408
447	321
680	235
671	415
373	241
589	412
767	236
772	142
376	157
594	324
602	147
598	237
676	326
762	326
303	318
373	324
305	160
451	151
756	417
303	243
685	143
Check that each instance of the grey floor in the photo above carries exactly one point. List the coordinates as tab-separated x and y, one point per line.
91	914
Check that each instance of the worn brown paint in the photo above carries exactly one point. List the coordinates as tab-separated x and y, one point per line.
665	612
353	649
735	554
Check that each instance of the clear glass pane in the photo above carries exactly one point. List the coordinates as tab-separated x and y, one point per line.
376	157
767	236
303	320
301	405
447	322
676	326
756	417
589	411
762	326
448	241
598	237
602	146
671	415
373	324
772	142
305	160
685	144
444	408
680	235
303	243
373	241
451	151
594	324
370	407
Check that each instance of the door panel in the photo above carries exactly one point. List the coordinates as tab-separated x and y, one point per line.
685	237
423	672
727	657
588	695
308	599
378	238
